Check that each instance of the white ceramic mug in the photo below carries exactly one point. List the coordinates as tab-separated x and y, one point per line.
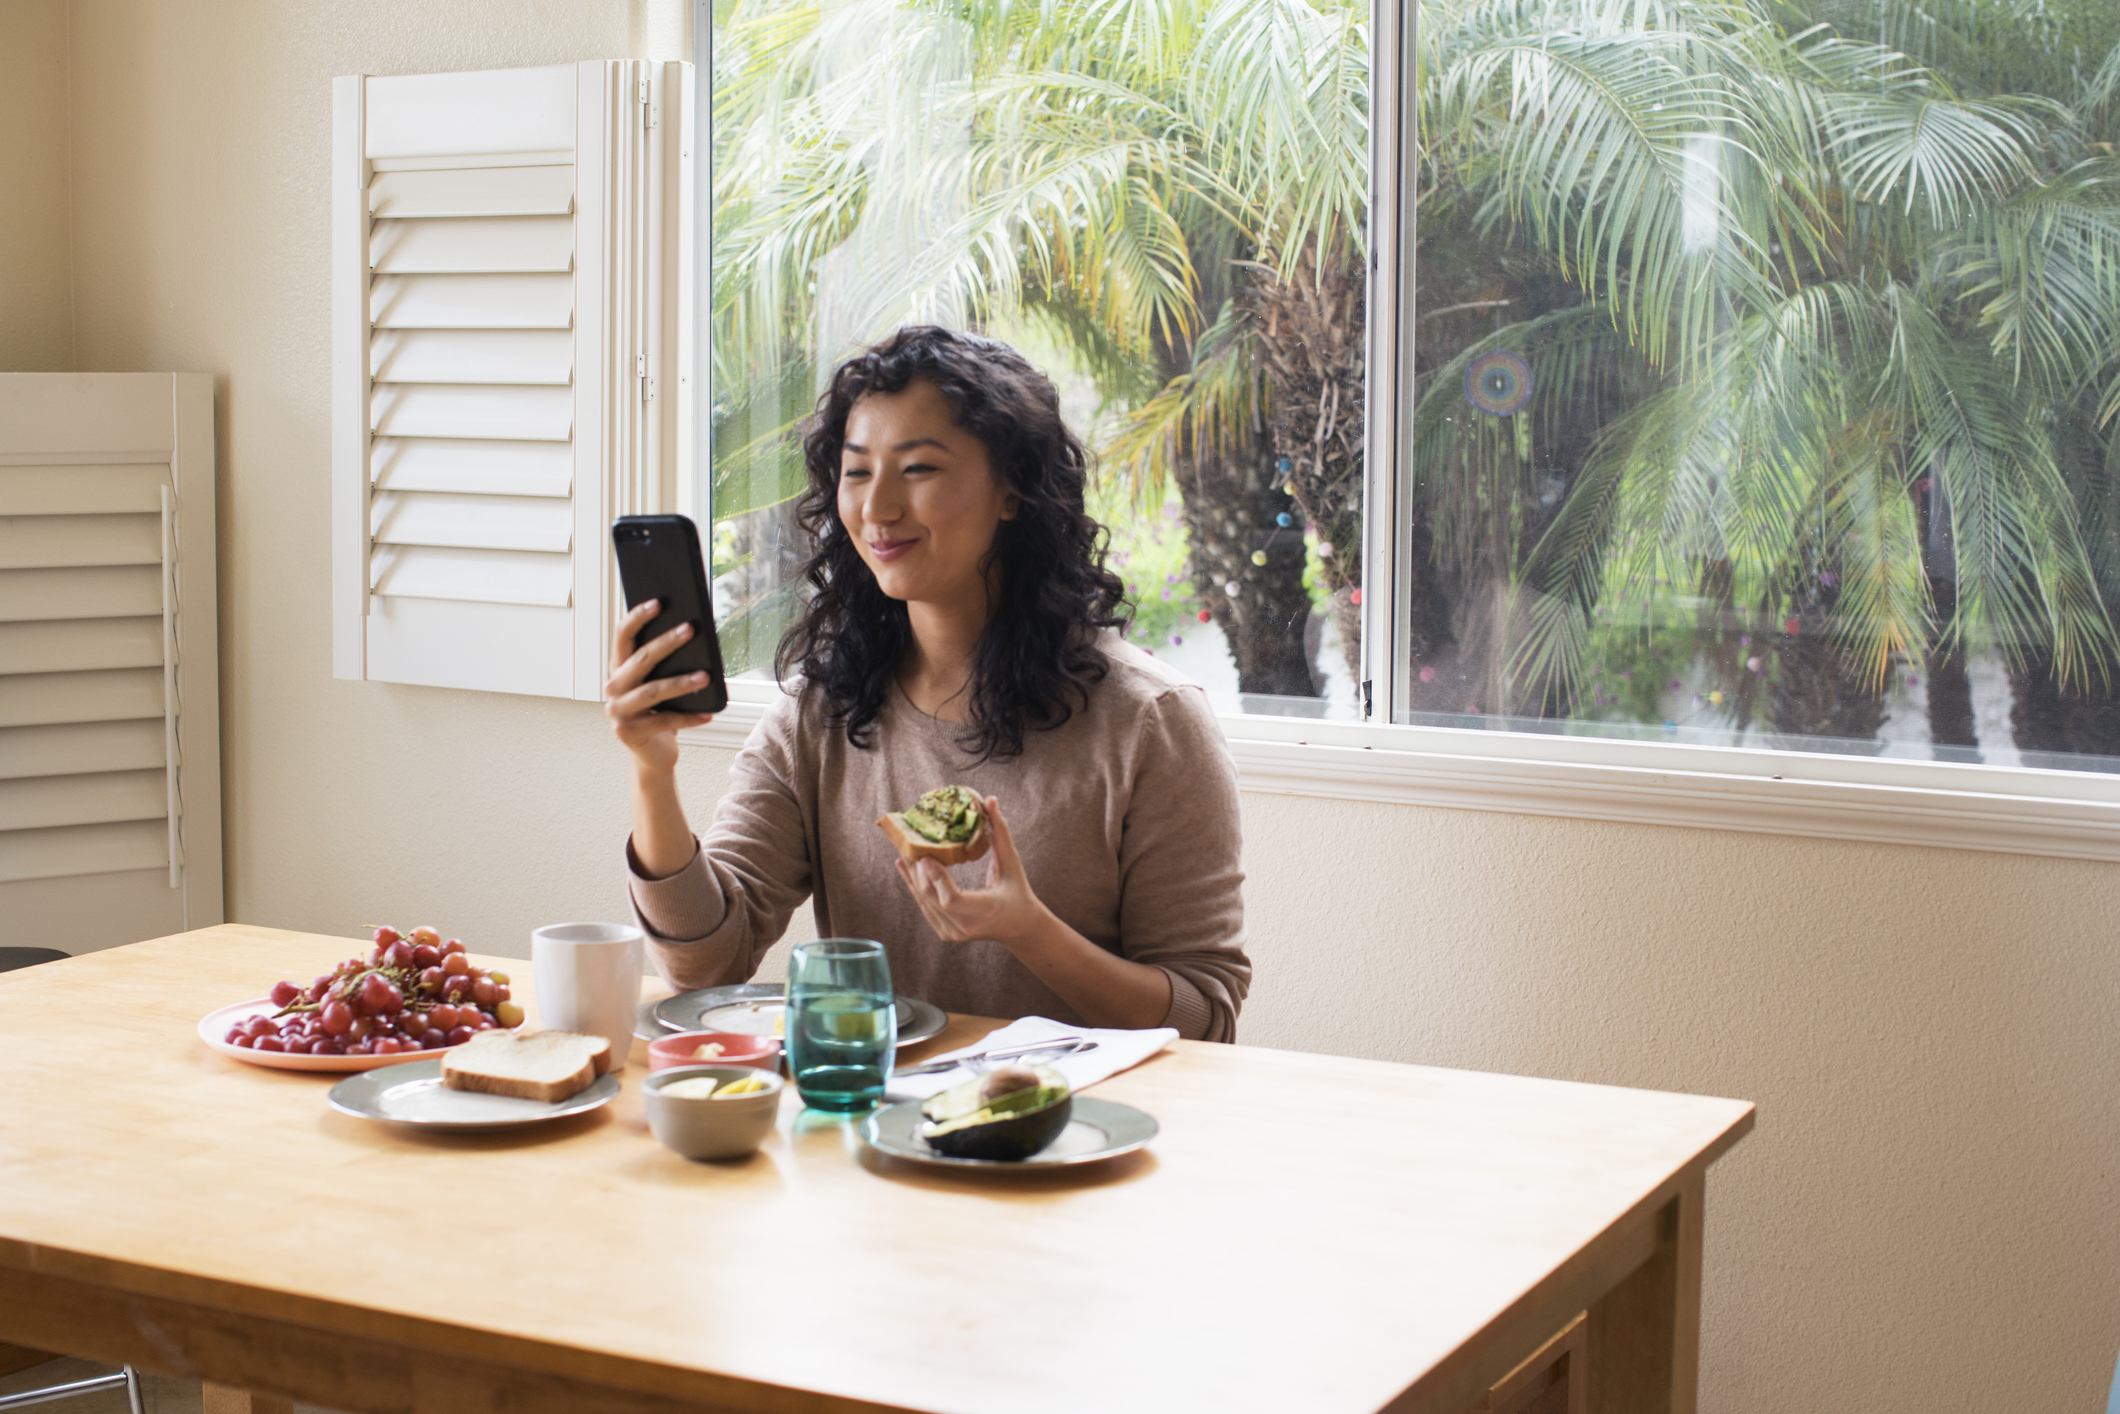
588	980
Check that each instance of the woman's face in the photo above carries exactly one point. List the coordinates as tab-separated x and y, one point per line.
920	497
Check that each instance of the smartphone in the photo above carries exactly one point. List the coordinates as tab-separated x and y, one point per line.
659	558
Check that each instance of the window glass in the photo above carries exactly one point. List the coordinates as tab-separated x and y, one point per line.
1766	361
1161	202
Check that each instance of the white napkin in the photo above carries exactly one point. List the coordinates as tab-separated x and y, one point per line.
1116	1051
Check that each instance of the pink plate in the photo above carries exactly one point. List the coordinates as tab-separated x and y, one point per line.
214	1025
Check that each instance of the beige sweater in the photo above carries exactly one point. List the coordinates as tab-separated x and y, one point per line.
1126	817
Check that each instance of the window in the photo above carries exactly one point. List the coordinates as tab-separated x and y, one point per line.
1712	375
1767	378
1163	206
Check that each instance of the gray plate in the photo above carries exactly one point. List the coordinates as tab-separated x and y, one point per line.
414	1094
749	1009
1096	1129
645	1027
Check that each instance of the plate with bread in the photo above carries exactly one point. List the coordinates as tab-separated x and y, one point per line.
497	1080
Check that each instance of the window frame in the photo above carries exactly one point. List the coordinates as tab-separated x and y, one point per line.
1822	795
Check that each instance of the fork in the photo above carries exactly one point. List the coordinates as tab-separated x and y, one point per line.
1057	1047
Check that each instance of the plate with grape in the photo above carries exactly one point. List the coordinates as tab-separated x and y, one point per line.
413	994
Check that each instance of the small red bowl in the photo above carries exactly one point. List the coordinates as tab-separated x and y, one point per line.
759	1052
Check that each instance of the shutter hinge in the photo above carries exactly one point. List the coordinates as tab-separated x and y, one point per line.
647	106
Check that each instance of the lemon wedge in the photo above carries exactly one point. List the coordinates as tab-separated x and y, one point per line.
697	1087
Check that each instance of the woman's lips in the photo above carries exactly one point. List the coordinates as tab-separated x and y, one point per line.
889	550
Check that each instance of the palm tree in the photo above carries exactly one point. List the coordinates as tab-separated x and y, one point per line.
1176	190
1821	303
1793	303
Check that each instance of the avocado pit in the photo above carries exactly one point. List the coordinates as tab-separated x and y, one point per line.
1006	1115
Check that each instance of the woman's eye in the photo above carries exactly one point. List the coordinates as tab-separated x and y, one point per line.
853	473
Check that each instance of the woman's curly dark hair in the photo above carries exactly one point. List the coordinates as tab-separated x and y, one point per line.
1038	656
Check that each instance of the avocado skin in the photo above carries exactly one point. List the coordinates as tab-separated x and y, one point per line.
1009	1139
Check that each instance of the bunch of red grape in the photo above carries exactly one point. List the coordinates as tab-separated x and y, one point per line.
411	993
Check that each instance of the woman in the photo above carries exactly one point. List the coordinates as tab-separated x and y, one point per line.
959	631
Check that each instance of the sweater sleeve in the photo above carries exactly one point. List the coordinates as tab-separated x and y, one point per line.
1181	872
712	921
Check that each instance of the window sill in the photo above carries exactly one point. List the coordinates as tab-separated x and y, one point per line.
2064	814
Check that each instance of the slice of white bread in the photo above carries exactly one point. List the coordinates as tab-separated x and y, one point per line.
913	848
529	1065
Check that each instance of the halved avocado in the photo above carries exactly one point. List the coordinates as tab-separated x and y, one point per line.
1007	1115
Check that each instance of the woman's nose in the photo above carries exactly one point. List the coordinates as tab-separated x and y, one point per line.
882	504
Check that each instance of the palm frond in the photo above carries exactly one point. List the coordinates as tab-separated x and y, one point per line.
2045	266
1220	402
1922	150
2022	570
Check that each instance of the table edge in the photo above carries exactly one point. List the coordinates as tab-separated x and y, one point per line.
1546	1295
134	1283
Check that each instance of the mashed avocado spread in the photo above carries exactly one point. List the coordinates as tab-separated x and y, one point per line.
946	815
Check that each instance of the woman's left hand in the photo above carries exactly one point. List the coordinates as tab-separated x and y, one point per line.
1005	910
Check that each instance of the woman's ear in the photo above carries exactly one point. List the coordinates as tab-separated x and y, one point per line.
1010	504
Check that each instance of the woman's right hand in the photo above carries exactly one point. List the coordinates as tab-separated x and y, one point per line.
630	696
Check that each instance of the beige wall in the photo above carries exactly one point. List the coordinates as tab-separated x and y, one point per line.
1925	1219
36	272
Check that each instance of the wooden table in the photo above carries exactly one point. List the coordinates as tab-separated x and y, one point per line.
1308	1233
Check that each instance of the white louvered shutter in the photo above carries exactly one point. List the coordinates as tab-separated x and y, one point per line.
110	777
512	346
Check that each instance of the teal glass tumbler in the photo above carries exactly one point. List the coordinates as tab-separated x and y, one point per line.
842	1024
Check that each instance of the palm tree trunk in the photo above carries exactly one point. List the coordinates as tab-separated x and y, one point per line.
2048	715
1951	723
1231	499
1819	690
1310	330
1950	688
1820	693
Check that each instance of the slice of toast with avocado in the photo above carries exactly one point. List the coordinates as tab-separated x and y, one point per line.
947	825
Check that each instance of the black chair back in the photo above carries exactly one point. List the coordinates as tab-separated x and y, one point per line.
12	958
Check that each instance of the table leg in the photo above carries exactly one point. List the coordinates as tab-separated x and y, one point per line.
220	1399
1644	1335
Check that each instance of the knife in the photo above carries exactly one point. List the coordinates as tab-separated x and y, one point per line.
1060	1045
